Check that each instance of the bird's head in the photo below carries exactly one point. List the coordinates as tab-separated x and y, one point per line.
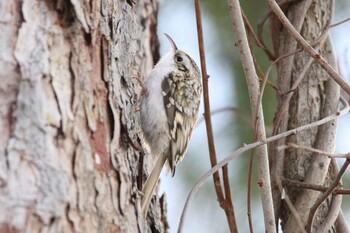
179	59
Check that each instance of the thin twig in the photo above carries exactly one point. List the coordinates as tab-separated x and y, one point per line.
321	188
307	47
316	151
326	194
235	110
224	203
256	39
252	152
340	22
245	148
249	35
331	215
284	106
206	114
315	174
335	206
253	88
342	224
262	89
228	198
292	208
261	24
281	120
249	190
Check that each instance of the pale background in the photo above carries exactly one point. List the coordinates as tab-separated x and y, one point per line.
177	18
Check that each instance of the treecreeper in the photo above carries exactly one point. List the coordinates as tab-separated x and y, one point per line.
169	112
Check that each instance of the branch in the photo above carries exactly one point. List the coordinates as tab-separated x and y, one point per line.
242	115
283	4
245	148
284	70
332	214
326	194
226	204
307	47
252	152
321	188
335	207
313	174
316	151
258	42
341	223
284	106
292	209
253	88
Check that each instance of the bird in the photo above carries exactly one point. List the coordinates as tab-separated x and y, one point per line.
169	112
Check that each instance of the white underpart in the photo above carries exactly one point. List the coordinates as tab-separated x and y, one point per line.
156	121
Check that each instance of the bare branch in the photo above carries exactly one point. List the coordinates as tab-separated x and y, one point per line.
326	194
284	106
253	88
307	47
258	42
332	214
244	117
341	223
249	189
321	188
316	151
283	4
277	161
295	213
245	148
340	22
225	203
335	207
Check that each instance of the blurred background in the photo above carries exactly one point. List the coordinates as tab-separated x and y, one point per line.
232	128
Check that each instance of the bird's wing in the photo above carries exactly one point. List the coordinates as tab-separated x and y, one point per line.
181	107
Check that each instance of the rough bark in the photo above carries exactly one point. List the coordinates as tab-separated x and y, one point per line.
317	96
69	99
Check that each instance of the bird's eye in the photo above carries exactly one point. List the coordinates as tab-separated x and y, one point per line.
179	59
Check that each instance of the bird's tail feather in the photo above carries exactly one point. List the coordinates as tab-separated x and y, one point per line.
151	184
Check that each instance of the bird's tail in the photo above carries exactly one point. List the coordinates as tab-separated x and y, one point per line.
151	183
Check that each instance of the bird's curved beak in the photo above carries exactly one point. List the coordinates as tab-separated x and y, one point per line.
172	43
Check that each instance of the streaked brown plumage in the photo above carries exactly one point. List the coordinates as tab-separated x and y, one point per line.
169	112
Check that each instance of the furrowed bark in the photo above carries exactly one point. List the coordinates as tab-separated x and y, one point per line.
69	114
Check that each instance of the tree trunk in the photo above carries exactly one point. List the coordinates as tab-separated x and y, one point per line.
69	101
317	96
